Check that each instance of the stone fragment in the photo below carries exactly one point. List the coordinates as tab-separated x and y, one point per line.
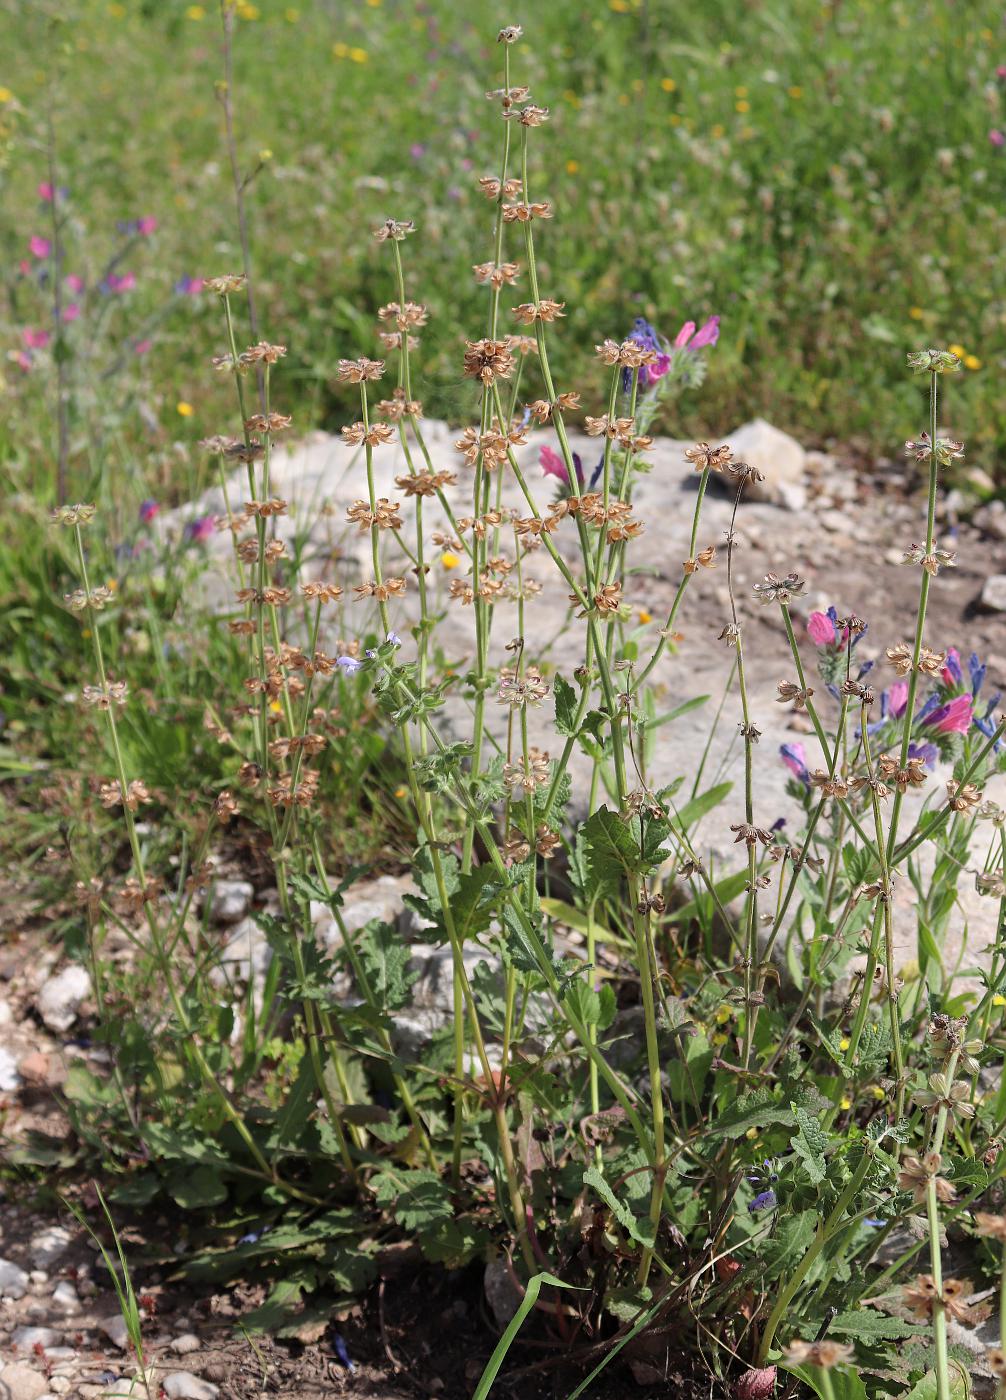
230	900
780	459
183	1385
13	1280
993	598
58	999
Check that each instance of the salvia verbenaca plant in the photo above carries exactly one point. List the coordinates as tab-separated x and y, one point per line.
743	1173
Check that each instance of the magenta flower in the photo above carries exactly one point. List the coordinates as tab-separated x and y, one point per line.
795	758
552	464
821	629
35	339
146	225
189	286
71	311
148	510
952	718
38	246
22	358
46	192
74	282
1001	72
125	283
996	138
708	334
688	338
202	528
897	699
142	346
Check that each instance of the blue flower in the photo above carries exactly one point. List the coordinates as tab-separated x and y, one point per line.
765	1200
350	664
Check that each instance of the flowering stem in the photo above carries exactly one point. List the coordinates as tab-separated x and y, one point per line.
913	679
935	1257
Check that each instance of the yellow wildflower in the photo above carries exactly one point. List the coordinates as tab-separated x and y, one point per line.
184	409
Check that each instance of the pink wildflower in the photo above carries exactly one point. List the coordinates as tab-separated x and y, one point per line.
35	339
552	464
74	282
38	246
142	346
708	334
954	717
146	225
897	699
821	629
71	311
684	335
46	192
996	138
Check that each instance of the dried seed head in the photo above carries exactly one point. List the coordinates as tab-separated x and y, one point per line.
359	371
395	229
79	514
225	285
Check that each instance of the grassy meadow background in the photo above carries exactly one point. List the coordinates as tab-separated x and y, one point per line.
828	178
824	176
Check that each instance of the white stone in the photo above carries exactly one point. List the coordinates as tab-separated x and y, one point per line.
10	1080
187	1342
230	900
183	1385
64	1297
21	1382
6	1014
59	997
993	597
991	518
49	1246
13	1280
244	956
114	1328
779	458
59	1385
27	1338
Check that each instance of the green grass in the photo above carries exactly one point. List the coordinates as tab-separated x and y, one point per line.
821	175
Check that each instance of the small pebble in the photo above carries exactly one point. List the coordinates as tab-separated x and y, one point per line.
20	1382
64	1297
27	1338
13	1280
187	1342
49	1246
114	1329
183	1385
